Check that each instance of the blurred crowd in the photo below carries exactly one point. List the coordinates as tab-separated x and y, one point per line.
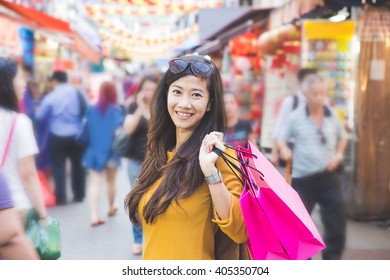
40	142
46	132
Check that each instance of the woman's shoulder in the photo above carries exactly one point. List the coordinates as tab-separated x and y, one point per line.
23	120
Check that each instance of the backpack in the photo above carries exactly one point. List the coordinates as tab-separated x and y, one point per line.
295	102
82	103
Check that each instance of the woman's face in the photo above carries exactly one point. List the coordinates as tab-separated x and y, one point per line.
188	99
147	91
19	84
231	106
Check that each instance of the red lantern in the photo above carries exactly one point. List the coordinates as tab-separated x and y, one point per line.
244	44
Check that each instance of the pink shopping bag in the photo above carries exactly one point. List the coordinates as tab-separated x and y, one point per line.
282	209
263	243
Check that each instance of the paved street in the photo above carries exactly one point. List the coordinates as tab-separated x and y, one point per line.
113	240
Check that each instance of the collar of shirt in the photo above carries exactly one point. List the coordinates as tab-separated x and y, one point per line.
327	112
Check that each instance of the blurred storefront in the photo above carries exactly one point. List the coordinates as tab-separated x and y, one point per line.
45	43
352	55
348	42
235	49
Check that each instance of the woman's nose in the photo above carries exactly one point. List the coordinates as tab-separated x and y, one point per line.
184	102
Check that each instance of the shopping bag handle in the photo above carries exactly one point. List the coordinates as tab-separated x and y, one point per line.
219	152
252	186
240	150
232	166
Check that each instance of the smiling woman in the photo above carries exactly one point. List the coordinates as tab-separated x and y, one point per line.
188	99
184	192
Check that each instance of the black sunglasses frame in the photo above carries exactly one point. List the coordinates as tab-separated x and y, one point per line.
196	71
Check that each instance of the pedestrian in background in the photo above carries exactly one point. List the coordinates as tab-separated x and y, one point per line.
18	146
42	132
103	119
130	86
182	180
238	131
136	124
319	144
289	104
63	110
14	244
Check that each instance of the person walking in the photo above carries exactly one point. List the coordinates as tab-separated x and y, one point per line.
289	104
319	143
18	146
184	189
42	131
136	124
63	108
14	244
238	131
103	119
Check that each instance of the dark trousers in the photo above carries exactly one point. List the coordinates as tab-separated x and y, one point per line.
325	189
62	148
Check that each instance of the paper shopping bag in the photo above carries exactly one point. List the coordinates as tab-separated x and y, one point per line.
282	207
263	242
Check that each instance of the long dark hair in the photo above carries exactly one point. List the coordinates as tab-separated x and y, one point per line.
8	70
185	175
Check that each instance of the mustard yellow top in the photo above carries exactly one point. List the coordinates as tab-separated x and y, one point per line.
185	231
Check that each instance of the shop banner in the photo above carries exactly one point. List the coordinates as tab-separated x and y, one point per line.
28	43
9	40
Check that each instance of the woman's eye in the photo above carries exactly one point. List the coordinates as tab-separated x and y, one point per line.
197	95
175	91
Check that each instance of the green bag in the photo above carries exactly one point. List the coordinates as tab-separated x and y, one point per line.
46	239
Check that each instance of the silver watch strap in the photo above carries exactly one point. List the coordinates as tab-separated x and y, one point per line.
213	178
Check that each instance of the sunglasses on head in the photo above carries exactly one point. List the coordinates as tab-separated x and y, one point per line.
198	68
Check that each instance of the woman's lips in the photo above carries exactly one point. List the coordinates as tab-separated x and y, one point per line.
183	116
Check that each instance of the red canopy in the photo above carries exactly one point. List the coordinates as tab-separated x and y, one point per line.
36	19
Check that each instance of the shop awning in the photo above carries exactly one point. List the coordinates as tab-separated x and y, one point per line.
234	27
50	26
292	10
296	9
212	21
33	18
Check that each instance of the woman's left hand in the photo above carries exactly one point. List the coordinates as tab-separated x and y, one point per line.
207	157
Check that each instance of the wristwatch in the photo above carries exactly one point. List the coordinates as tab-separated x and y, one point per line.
213	178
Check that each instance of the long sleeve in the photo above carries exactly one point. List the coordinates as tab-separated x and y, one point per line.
44	110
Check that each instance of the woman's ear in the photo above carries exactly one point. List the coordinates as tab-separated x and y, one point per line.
208	108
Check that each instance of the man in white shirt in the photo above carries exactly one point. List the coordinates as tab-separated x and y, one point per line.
289	104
